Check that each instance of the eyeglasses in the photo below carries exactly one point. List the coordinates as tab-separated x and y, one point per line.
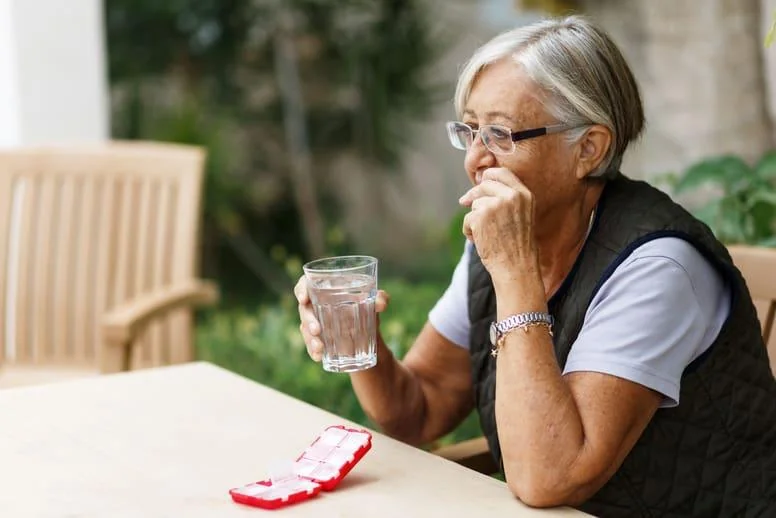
498	139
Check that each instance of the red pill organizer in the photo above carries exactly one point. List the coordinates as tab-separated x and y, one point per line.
321	466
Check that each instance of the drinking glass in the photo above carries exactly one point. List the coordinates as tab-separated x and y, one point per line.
343	291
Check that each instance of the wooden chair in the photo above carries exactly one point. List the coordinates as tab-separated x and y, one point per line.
757	265
98	247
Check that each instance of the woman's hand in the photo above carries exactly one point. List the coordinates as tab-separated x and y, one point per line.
501	223
311	328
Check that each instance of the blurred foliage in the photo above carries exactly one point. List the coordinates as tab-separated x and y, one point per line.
363	63
738	200
278	92
265	345
225	73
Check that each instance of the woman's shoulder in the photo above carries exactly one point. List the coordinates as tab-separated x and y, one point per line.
671	272
679	252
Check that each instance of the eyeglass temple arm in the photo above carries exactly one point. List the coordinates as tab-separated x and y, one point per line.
538	132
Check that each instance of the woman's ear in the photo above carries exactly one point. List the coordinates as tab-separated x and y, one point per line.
593	147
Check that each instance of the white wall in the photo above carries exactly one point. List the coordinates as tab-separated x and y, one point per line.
9	104
53	84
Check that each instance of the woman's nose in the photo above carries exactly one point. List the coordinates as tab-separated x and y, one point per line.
478	157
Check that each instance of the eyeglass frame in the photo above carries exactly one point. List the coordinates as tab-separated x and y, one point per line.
516	136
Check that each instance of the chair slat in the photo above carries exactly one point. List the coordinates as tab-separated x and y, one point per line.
154	346
45	236
768	329
123	281
762	306
64	271
108	209
771	344
22	351
162	258
142	245
9	223
86	248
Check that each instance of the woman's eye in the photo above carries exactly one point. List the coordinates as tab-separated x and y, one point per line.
499	133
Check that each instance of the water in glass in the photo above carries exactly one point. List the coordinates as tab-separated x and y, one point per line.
345	307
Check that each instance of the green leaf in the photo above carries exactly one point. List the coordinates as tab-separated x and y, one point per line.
727	172
766	167
731	224
761	211
710	214
767	196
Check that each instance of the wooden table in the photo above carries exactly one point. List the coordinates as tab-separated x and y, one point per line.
173	441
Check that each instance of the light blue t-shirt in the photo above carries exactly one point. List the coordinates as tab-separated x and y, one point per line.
660	309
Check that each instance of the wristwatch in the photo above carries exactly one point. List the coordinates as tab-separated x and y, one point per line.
521	320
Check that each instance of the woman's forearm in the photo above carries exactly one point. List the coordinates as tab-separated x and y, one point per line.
392	397
540	429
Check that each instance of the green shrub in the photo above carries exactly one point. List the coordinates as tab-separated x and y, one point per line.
265	345
742	205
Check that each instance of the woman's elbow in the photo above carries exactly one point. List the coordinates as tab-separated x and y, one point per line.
536	495
536	490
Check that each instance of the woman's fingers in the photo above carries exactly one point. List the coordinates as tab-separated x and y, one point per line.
309	325
300	291
313	343
468	226
311	332
383	299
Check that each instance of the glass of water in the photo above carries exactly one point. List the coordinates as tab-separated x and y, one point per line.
343	292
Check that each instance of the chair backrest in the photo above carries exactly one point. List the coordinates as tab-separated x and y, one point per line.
758	266
84	228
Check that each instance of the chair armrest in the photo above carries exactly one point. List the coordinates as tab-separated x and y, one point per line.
473	454
122	324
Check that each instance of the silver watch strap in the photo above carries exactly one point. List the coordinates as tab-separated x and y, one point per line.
522	320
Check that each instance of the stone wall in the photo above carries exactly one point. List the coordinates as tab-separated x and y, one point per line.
700	69
767	10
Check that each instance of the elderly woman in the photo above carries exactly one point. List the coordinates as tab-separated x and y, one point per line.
603	334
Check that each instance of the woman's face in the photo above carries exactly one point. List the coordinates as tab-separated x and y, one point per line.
547	165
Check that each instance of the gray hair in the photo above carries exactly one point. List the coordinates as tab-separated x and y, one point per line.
583	73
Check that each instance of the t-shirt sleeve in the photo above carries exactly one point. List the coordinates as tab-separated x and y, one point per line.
450	315
660	309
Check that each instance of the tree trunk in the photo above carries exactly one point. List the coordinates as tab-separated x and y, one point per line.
302	178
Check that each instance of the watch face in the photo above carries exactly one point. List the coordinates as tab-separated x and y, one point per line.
493	333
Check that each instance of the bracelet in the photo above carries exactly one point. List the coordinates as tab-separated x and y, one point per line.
499	330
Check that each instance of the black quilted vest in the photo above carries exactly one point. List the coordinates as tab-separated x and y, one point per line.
715	453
